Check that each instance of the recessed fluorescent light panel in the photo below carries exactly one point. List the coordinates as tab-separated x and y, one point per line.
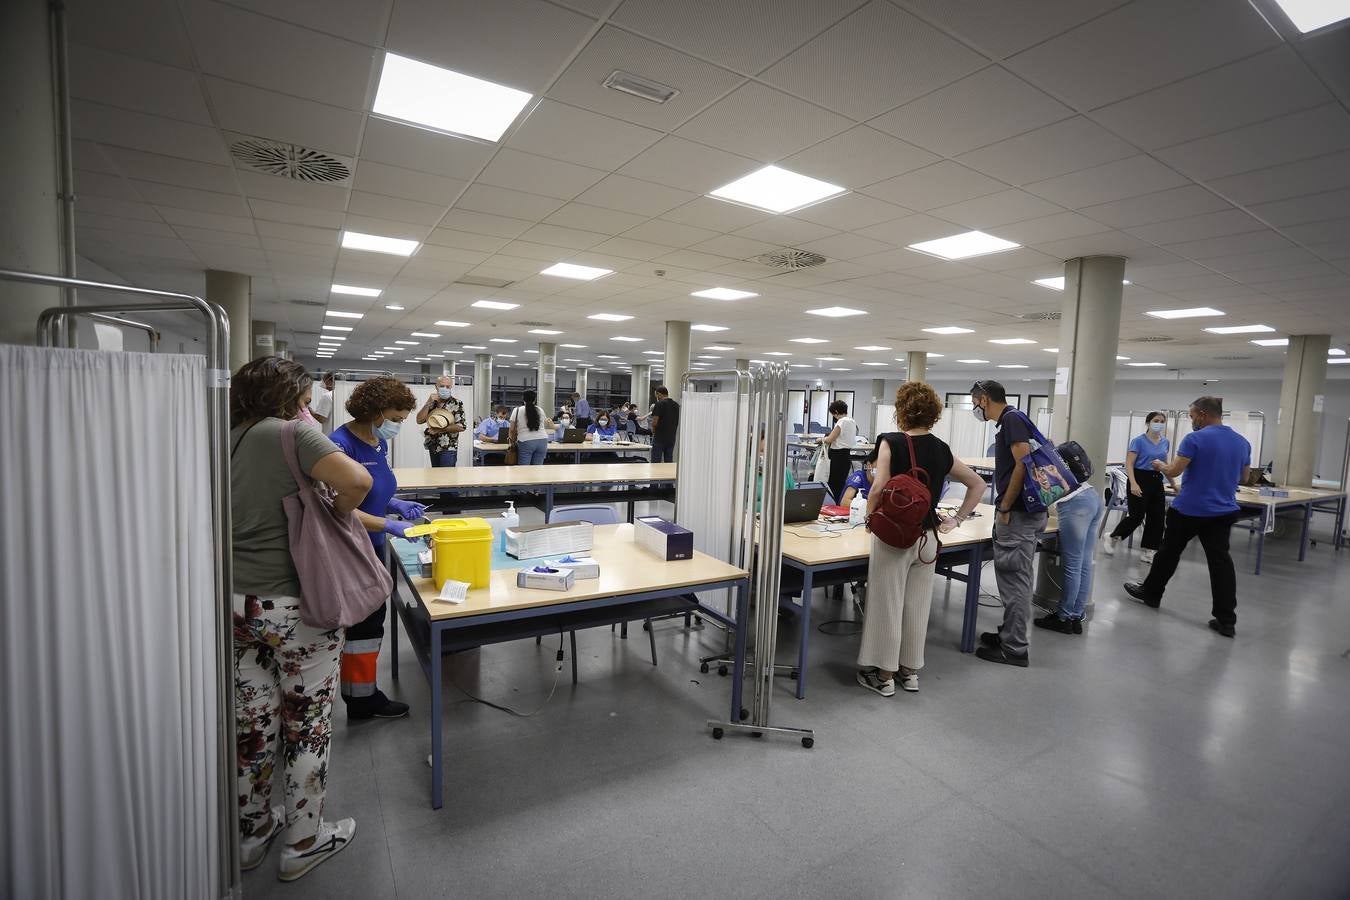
836	312
717	347
1011	341
1337	360
874	364
973	362
721	293
1195	312
573	346
395	307
964	246
609	317
630	340
336	327
707	328
1152	365
543	331
769	352
654	352
1310	15
1050	349
1334	351
580	273
841	370
872	348
474	347
501	340
355	240
949	329
494	304
345	315
1122	358
444	323
637	86
1272	342
332	337
1013	366
423	94
409	343
1054	284
777	190
424	334
1240	329
809	340
357	291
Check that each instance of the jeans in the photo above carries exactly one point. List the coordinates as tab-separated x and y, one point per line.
1149	509
444	458
1079	518
663	452
532	453
1213	533
1014	566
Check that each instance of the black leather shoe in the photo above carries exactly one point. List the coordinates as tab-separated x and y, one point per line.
990	639
1225	630
1077	626
377	706
1137	592
1054	623
999	655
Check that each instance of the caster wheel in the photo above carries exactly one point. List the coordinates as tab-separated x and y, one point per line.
698	620
703	667
757	734
745	714
793	674
808	743
646	626
722	670
717	734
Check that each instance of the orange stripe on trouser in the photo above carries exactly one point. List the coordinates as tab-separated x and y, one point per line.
359	659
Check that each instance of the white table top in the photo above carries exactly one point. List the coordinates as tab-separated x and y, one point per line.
584	447
531	476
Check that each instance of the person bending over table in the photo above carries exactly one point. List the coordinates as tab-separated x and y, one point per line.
861	480
530	431
442	443
378	408
900	582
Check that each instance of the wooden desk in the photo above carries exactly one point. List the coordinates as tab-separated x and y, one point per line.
484	448
1310	500
468	481
629	576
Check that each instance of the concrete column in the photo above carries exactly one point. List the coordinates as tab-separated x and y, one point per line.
264	339
677	357
580	384
30	216
482	383
742	365
548	377
1299	426
1086	369
642	387
448	368
233	292
916	365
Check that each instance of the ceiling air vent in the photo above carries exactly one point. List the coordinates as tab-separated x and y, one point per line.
637	86
478	281
1149	339
536	324
1051	316
1232	357
289	161
318	303
791	259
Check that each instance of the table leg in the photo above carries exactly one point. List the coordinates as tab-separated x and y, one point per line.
804	640
1261	540
1340	524
1303	539
971	618
392	565
548	502
738	664
436	791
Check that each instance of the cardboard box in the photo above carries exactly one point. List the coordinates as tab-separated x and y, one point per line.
663	538
546	578
582	566
534	541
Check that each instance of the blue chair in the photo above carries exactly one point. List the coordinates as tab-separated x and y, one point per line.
797	428
596	514
816	428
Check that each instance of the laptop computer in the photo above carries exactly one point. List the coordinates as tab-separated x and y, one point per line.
802	505
573	436
503	436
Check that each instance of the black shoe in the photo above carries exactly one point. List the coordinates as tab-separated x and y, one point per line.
1077	626
990	639
1221	628
1137	592
1054	623
999	655
377	706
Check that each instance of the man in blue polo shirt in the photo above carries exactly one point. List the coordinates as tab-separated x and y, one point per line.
1215	459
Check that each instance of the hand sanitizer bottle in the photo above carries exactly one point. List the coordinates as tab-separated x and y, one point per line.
857	510
510	519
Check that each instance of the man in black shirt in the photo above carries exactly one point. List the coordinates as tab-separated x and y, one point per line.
1015	529
665	425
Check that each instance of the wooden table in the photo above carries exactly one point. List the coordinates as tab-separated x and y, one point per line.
471	480
631	581
1310	500
812	552
485	448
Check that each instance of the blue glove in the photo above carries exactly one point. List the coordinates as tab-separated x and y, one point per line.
407	509
396	528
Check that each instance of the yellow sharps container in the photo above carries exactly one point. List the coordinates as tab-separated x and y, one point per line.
461	550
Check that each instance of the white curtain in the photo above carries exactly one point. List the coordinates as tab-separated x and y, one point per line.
712	462
108	766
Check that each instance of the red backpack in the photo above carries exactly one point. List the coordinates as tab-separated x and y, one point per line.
904	515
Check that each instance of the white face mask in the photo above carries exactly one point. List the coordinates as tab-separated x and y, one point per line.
566	423
1157	427
604	423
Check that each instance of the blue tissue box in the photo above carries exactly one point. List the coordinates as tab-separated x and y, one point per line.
663	538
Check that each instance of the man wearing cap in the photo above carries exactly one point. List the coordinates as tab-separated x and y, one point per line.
443	415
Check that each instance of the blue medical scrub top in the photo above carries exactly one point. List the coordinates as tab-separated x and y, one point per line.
489	428
603	432
858	479
376	461
1146	451
1217	454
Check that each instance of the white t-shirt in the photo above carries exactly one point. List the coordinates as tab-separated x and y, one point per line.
321	404
523	433
848	434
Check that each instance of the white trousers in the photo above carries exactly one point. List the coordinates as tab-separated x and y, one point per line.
899	596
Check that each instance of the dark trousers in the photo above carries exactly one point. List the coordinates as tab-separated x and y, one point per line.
663	452
1149	509
360	654
841	463
1213	533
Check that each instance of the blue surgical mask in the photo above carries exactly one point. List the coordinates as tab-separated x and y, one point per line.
1157	427
388	430
443	393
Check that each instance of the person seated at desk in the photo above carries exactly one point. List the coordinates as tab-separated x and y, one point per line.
601	430
487	429
861	480
789	482
564	423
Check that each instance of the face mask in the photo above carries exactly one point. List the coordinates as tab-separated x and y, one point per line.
388	430
604	423
978	412
1157	427
443	393
566	423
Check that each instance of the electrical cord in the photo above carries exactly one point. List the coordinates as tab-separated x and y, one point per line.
557	673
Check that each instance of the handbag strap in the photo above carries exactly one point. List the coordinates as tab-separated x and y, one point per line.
292	456
243	435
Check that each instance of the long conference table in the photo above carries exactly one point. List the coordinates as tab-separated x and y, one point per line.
484	449
472	481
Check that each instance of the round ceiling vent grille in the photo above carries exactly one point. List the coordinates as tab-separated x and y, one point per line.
289	161
791	258
1042	316
1150	339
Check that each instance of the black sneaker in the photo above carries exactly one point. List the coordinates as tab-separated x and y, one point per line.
1054	623
377	706
1225	630
1077	626
1137	592
999	655
990	639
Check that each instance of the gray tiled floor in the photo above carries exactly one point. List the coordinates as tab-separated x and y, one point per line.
1147	758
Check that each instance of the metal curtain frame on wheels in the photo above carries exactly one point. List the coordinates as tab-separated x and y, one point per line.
49	328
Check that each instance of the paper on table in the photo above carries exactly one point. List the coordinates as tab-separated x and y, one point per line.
453	592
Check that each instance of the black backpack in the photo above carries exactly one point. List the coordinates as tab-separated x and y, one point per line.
1076	458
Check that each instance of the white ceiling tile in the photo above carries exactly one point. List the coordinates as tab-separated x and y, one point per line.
409	147
937	185
99	184
196	236
129	83
362	21
296	215
172	170
187	198
518	43
86	221
1290	180
629	249
377	178
594	218
326	238
1313	208
694	260
858	157
761	123
1247	244
1102	60
1194	228
785	230
1107	243
744	37
671	234
1286	139
538	175
1175	203
579	136
570	238
287	190
909	230
1329	231
90	157
718	215
146	29
485	223
411	231
698	83
465	240
1281	254
214	221
1001	29
851	212
153	134
508	203
733	247
845	246
254	111
989	106
876	58
997	209
1066	146
1113	181
676	162
1050	228
400	210
1250	90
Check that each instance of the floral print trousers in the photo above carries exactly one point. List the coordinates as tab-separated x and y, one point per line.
285	679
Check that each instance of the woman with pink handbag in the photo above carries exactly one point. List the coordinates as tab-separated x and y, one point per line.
286	670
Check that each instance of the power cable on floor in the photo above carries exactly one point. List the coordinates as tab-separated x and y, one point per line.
557	673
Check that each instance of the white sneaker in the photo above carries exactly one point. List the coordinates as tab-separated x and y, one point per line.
253	850
332	837
909	681
872	680
1109	545
1146	557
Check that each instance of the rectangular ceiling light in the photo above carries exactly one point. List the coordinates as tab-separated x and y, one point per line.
875	364
630	340
777	190
964	246
580	273
501	340
1013	366
1335	351
706	356
1050	349
701	327
836	312
445	323
507	355
841	370
1122	358
423	334
474	347
332	337
770	352
544	331
809	340
721	293
1152	365
1195	312
1272	342
609	317
355	240
356	291
605	356
573	346
1310	15
1011	341
336	327
718	347
1240	329
427	95
872	348
394	306
345	315
829	359
973	362
494	304
1337	360
950	329
1054	284
409	343
653	353
637	86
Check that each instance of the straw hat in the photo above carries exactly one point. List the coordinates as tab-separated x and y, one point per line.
439	419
